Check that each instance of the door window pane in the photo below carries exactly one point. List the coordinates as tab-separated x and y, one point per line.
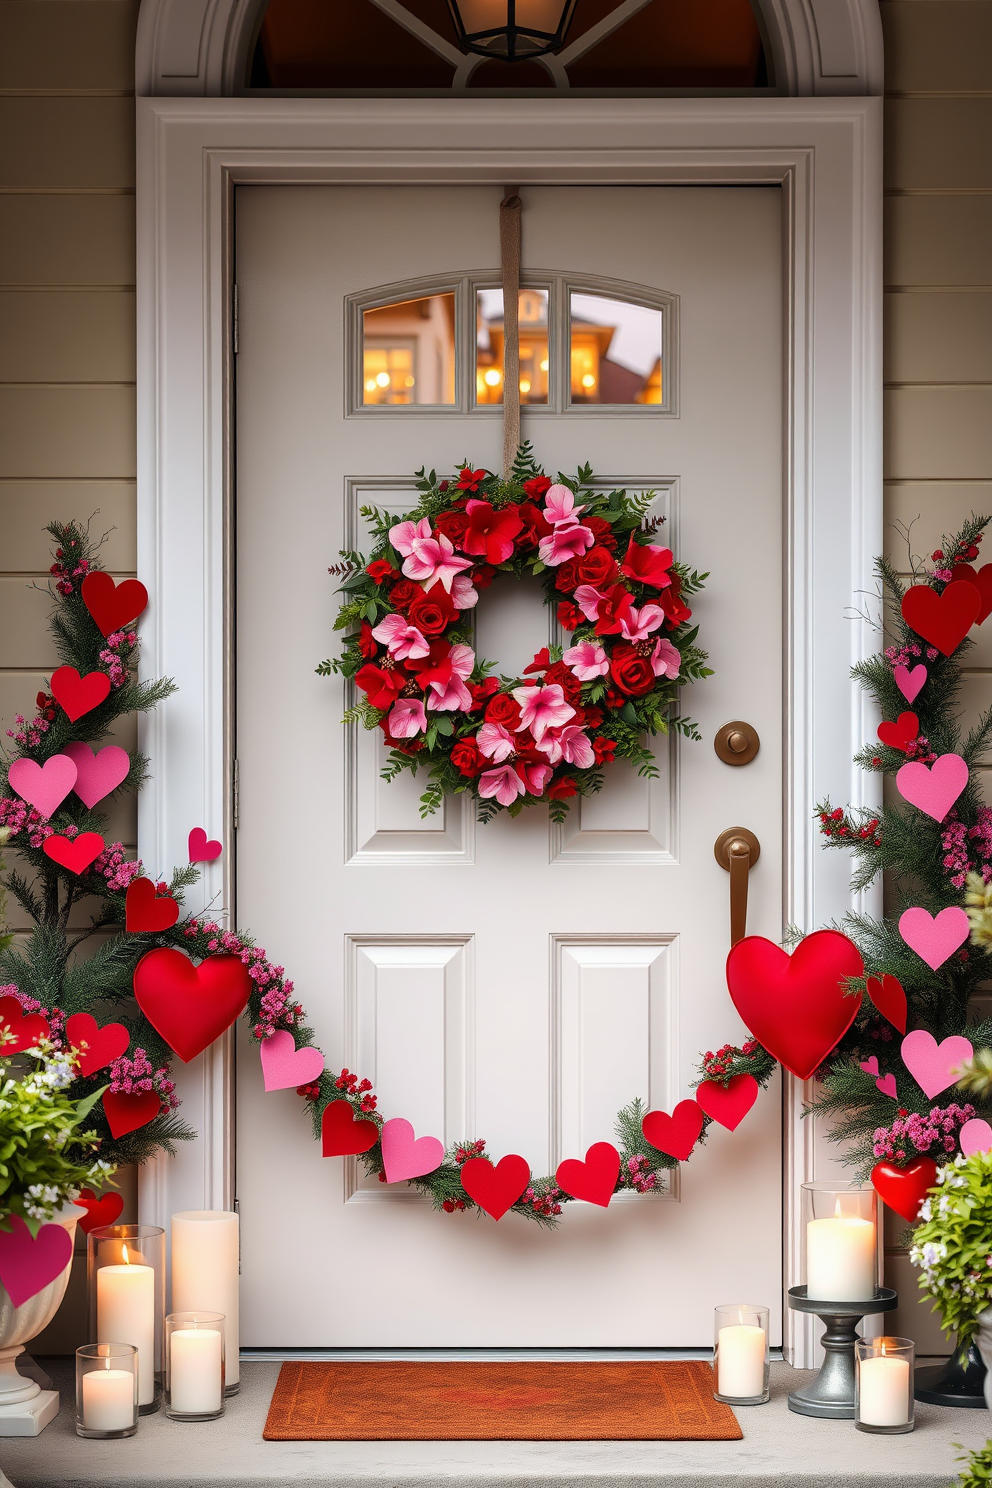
408	352
614	351
533	321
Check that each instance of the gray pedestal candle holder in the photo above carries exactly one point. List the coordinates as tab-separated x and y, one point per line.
831	1394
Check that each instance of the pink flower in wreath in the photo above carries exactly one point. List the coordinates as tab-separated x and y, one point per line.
665	659
400	638
559	505
637	625
447	565
495	742
446	682
464	595
542	708
505	784
590	600
586	661
568	540
570	744
535	777
406	718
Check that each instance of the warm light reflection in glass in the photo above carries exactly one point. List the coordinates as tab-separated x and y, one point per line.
408	352
615	349
532	317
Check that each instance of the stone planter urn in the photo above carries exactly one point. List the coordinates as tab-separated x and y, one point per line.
25	1408
983	1341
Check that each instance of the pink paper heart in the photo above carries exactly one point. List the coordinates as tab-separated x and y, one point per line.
97	774
934	1066
404	1157
870	1066
975	1136
284	1066
910	680
200	850
43	786
934	788
887	1085
934	938
28	1263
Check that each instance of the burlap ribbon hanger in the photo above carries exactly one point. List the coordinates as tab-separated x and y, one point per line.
509	249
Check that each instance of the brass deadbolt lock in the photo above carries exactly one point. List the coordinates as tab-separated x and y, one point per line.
737	743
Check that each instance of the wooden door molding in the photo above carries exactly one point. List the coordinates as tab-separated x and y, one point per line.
826	156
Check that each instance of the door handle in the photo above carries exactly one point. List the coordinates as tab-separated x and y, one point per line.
737	850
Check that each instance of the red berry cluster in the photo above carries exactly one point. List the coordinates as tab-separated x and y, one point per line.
351	1085
546	1203
450	1205
66	568
838	827
717	1066
308	1092
474	1149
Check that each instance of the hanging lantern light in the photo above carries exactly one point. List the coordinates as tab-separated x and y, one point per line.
511	30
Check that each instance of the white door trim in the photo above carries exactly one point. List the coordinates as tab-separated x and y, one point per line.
825	153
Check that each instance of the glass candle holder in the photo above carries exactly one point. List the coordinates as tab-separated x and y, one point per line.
740	1353
883	1385
205	1273
841	1249
125	1277
194	1365
106	1389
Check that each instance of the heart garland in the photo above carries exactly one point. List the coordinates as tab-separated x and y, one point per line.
95	1047
934	1066
98	774
594	1179
728	1104
934	937
405	1156
982	580
27	1028
284	1066
942	619
910	680
676	1134
495	1188
45	786
190	1005
200	849
904	1189
113	606
146	910
126	1113
105	1210
888	996
885	1083
342	1134
976	1134
78	695
933	788
74	853
902	733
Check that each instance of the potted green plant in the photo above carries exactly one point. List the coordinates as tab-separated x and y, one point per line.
953	1248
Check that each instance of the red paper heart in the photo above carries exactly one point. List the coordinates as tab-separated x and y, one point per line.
904	1189
200	849
675	1134
729	1103
495	1188
796	1006
125	1113
902	733
190	1005
29	1263
27	1028
593	1180
113	605
99	1212
343	1134
942	619
147	911
102	1045
76	694
890	999
982	580
74	853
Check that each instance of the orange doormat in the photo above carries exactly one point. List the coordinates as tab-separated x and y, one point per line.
663	1400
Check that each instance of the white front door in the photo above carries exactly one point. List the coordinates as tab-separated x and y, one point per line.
516	981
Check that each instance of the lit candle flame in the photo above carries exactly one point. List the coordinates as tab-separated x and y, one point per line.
127	1258
838	1212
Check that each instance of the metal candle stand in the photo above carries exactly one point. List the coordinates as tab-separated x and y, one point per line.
831	1394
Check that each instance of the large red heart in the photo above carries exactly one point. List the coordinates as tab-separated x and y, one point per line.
190	1005
942	619
29	1263
889	998
675	1134
904	1189
95	1046
982	580
342	1134
99	1212
902	733
125	1113
74	853
729	1103
113	605
145	910
797	1006
27	1028
593	1180
495	1188
79	695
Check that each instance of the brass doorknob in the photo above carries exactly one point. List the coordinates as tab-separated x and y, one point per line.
737	849
737	743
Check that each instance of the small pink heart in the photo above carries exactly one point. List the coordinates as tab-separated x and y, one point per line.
97	774
934	937
403	1157
887	1085
43	786
934	788
284	1066
28	1263
934	1066
200	850
909	681
975	1136
870	1066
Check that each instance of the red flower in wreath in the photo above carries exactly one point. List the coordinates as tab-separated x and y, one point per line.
453	525
380	570
595	567
491	533
470	480
676	611
404	593
502	709
366	641
537	486
632	672
569	615
466	758
534	525
561	789
604	750
432	612
647	564
382	683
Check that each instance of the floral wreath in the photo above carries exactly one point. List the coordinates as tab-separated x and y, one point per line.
512	741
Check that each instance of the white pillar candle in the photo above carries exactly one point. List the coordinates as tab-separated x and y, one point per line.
883	1391
125	1313
840	1259
195	1371
205	1271
740	1361
108	1399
